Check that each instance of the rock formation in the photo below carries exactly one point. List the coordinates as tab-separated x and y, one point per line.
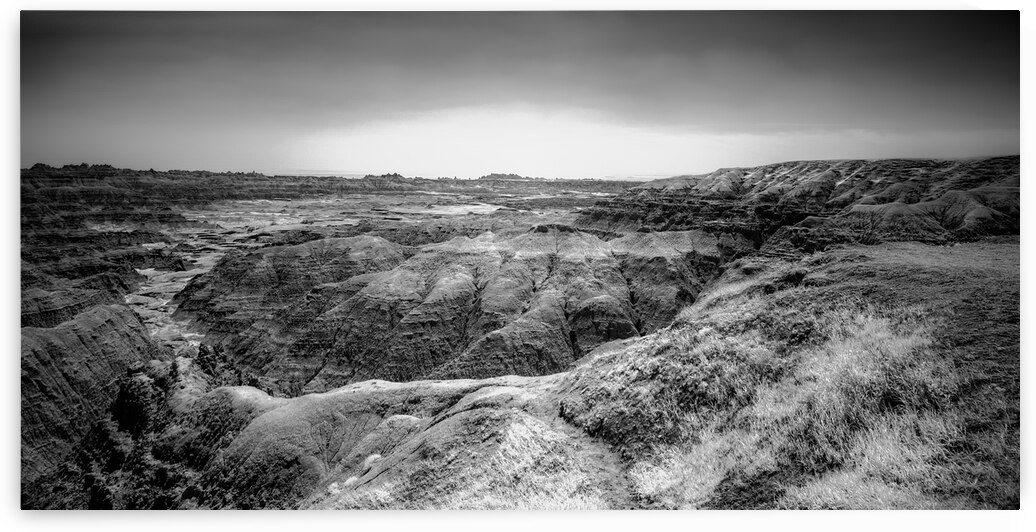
68	381
249	286
668	348
466	308
904	199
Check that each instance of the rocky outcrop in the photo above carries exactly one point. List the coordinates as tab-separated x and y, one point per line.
665	271
249	286
42	308
52	257
427	444
433	444
68	380
466	308
861	200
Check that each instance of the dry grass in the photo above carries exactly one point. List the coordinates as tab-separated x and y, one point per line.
763	397
528	466
868	403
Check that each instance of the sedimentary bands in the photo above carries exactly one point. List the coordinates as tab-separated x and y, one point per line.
813	334
326	313
834	201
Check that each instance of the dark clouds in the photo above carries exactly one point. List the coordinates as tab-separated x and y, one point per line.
220	76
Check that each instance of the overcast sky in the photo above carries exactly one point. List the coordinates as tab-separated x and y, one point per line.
541	94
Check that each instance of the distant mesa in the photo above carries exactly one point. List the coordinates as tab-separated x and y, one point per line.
509	177
107	170
393	176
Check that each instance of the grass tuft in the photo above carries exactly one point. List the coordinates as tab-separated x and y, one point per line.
757	398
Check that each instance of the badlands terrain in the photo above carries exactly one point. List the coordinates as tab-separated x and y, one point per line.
811	334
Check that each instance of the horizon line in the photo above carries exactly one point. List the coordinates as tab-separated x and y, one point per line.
352	174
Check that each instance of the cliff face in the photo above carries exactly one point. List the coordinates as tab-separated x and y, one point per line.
248	286
466	308
69	375
900	199
48	308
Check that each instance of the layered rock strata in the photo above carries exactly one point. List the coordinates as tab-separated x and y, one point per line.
466	308
68	381
862	200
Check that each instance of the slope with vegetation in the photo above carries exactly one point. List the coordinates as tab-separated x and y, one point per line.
830	334
865	377
874	377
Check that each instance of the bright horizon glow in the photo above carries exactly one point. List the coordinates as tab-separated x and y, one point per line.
544	94
472	142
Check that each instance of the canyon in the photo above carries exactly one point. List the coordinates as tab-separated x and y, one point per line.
810	334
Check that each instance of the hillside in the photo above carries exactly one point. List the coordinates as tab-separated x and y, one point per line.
466	308
866	377
828	201
820	334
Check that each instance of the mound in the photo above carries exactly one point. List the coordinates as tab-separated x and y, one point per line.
248	286
470	308
375	444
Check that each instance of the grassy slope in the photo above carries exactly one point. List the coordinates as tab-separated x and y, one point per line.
869	377
878	376
497	447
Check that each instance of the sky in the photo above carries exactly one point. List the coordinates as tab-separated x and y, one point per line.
543	94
